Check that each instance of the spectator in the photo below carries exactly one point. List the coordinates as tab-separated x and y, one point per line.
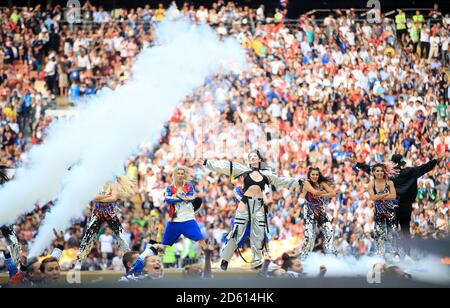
106	241
50	269
435	41
153	268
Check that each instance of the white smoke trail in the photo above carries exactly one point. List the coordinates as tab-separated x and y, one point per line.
427	269
40	179
339	266
110	127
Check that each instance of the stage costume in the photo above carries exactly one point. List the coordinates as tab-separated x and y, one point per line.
405	184
256	215
385	227
182	215
315	215
102	212
238	194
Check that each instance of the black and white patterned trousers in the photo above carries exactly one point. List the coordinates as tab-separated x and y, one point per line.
311	223
90	237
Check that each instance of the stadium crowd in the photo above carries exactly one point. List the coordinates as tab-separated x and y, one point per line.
316	91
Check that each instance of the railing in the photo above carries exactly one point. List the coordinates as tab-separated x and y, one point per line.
88	23
334	10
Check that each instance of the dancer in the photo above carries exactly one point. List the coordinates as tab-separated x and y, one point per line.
238	194
382	192
8	231
180	196
316	190
406	188
104	210
252	209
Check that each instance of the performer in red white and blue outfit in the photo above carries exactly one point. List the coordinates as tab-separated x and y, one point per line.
180	196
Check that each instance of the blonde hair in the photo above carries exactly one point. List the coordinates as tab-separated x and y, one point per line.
126	188
187	177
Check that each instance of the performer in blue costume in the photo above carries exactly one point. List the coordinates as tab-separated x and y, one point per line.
180	196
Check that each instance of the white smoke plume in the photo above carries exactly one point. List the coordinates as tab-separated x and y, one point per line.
428	269
111	126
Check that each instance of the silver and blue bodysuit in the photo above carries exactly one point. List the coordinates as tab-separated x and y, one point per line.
256	214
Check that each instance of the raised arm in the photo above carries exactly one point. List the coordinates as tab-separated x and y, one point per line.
138	266
226	167
359	166
364	167
425	168
282	181
59	245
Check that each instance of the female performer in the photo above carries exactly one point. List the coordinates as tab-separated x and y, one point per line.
238	194
382	192
180	196
252	209
315	191
104	209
